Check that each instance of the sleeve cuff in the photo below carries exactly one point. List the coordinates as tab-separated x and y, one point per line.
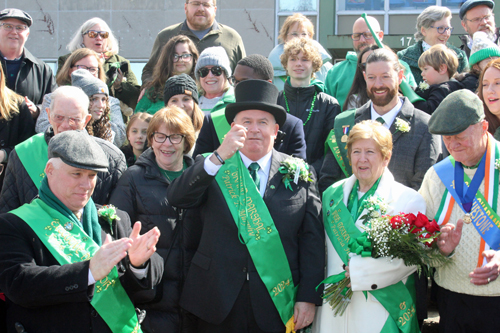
91	278
139	273
210	167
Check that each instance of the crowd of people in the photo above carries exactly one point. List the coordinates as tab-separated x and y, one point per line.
220	193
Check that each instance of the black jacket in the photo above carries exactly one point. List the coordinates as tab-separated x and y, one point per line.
141	192
35	78
435	94
291	142
316	130
44	296
129	155
18	188
468	80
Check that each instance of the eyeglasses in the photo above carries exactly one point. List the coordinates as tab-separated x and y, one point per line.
296	34
366	35
216	71
94	33
71	120
92	70
480	19
10	27
174	138
442	30
206	5
184	57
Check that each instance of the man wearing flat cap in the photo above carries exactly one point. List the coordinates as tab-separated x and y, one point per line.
262	250
461	194
477	15
25	74
67	265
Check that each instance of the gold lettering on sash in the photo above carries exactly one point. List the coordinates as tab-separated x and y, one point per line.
104	284
280	287
339	230
68	243
407	315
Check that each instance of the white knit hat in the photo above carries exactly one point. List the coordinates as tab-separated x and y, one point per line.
213	56
482	48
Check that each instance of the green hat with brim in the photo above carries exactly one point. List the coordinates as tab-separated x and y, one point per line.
456	113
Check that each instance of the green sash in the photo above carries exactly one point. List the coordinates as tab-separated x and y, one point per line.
220	123
68	243
398	299
257	230
338	142
33	155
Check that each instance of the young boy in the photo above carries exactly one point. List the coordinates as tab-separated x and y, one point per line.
438	65
303	97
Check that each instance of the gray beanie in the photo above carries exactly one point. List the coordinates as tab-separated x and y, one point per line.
213	56
89	84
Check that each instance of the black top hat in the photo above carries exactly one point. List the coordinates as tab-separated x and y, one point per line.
256	95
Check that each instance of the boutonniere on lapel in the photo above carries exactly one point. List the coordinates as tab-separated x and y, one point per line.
293	170
497	164
402	126
108	212
423	85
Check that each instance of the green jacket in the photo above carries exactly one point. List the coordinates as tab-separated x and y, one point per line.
411	54
220	35
226	99
130	86
147	105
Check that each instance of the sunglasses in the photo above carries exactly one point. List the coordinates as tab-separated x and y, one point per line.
94	33
216	71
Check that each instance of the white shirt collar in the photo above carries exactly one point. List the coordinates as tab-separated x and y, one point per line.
389	116
264	162
425	46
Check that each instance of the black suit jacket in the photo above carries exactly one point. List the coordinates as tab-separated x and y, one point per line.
221	264
413	153
44	296
292	143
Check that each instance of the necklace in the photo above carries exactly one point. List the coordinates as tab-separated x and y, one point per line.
310	110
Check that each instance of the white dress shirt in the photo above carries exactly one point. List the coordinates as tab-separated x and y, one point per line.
389	116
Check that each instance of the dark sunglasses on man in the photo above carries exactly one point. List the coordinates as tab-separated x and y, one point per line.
94	33
216	71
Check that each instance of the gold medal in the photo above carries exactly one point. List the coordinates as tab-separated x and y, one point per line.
344	138
467	219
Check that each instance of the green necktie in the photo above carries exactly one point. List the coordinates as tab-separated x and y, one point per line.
380	120
254	168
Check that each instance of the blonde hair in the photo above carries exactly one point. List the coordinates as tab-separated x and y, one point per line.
9	100
306	46
138	116
303	22
371	129
439	55
63	78
177	121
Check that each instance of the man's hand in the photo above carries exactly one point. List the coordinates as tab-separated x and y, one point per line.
490	271
110	253
450	237
233	141
33	109
143	246
303	314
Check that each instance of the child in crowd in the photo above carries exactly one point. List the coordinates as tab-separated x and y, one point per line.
136	136
438	65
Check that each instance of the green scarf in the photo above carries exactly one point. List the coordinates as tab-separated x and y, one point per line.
355	205
90	221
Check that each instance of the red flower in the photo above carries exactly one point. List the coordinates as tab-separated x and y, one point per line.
428	244
410	219
397	222
421	221
415	230
432	227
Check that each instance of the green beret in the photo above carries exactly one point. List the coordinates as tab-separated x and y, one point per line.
456	113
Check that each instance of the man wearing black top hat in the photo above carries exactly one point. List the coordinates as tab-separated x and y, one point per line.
261	253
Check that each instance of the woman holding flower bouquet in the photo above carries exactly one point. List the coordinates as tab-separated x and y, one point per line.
382	290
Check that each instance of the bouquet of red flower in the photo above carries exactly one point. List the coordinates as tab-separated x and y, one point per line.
404	236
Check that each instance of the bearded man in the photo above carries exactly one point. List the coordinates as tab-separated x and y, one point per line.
477	15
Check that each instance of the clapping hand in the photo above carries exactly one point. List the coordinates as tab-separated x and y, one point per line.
450	237
108	255
143	246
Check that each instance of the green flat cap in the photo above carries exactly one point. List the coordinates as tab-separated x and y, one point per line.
456	113
78	149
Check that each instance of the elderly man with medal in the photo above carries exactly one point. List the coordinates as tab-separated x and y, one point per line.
262	251
67	265
461	193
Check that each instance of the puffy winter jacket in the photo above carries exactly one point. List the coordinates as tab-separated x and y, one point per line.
319	125
18	188
141	192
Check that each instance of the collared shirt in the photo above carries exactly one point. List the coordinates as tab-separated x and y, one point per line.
425	46
389	116
264	163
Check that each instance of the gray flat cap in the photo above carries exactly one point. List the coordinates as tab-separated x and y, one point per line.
78	149
469	4
16	14
456	113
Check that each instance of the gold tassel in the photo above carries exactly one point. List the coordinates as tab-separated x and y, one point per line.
290	326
